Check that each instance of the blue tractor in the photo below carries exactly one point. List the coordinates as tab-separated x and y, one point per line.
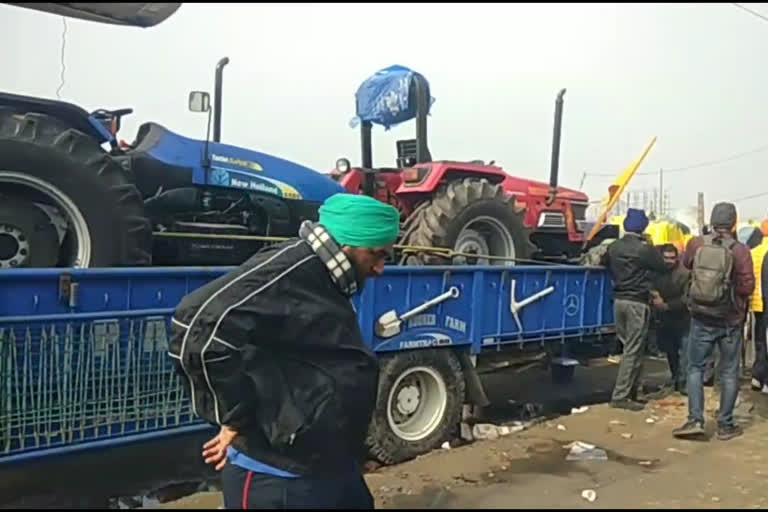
67	201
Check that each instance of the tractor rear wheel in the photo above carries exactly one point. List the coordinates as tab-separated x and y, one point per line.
471	216
68	203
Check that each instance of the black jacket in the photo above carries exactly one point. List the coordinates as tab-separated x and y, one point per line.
288	368
632	261
673	288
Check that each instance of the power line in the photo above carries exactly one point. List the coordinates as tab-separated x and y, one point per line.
693	166
751	196
720	160
750	11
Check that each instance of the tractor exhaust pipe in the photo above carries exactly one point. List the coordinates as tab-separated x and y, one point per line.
555	168
217	99
366	142
422	107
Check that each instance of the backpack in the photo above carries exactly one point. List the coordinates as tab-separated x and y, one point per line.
711	286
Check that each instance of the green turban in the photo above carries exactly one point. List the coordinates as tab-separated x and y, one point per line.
360	221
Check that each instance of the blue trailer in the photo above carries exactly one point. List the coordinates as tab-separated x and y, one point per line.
84	364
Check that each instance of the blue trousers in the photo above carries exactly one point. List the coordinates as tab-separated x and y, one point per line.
701	342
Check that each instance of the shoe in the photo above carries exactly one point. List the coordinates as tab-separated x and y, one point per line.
629	405
726	432
765	389
755	384
691	428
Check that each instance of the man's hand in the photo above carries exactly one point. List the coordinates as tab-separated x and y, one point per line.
658	302
215	450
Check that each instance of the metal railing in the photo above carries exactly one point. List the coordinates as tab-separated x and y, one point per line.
74	382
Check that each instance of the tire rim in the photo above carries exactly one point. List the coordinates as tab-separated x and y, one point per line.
14	247
416	403
75	218
485	235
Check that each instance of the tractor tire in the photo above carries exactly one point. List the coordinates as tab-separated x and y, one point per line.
104	211
472	216
419	404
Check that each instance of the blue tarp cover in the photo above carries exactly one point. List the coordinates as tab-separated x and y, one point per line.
383	98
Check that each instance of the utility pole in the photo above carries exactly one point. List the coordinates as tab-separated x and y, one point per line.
661	190
700	211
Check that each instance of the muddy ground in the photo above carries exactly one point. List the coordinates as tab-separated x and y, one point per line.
645	467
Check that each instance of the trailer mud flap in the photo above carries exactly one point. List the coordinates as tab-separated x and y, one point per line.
475	391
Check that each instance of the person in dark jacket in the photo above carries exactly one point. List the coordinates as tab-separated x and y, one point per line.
671	314
632	260
722	329
295	412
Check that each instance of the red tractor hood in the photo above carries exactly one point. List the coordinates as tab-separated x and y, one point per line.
522	186
132	15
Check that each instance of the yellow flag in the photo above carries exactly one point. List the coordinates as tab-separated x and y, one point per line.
616	189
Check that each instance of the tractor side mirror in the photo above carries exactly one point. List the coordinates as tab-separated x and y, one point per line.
199	101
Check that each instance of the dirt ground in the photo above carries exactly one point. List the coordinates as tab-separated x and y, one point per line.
645	468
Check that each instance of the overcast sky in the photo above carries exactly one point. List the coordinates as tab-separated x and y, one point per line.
694	75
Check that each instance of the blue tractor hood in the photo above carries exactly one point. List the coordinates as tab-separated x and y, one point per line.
237	168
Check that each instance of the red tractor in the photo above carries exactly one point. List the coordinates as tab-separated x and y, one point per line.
470	207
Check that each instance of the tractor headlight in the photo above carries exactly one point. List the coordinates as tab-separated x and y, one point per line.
343	165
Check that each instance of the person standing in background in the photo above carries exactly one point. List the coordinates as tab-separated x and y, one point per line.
631	260
757	309
671	312
722	281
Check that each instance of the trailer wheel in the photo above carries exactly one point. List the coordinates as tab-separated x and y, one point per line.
562	374
98	212
471	216
420	398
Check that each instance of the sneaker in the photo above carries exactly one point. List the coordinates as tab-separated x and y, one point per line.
755	384
691	428
765	389
629	405
726	432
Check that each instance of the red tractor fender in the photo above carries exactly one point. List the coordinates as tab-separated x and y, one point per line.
439	172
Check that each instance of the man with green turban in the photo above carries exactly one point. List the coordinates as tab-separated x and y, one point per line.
364	228
290	382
